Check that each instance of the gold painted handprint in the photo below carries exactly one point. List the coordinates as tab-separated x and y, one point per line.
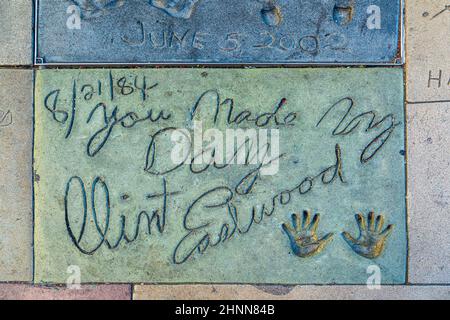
303	235
371	241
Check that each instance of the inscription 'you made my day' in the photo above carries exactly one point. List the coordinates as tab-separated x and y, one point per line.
141	111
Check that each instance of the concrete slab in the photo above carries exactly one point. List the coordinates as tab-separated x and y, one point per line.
428	94
16	128
427	63
429	193
16	39
91	292
96	134
248	292
226	31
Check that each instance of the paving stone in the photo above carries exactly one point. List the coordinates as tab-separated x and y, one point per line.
16	32
427	63
16	126
429	193
248	292
86	292
227	31
113	200
427	87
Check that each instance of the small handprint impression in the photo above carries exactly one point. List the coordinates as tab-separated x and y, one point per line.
343	12
303	237
95	8
371	241
176	8
271	13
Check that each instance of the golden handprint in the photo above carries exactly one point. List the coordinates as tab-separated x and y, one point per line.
303	235
371	241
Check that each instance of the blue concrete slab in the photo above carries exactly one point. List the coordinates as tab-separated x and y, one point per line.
225	31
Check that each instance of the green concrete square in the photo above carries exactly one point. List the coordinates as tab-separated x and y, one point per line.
111	204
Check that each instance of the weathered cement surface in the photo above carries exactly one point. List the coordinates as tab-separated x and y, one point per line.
247	292
16	40
428	94
427	63
429	193
226	31
86	292
16	128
